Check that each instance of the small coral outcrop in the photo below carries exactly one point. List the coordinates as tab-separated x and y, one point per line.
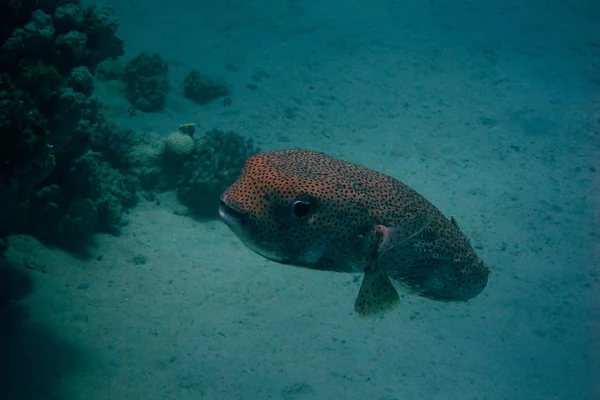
198	166
147	81
70	228
89	196
179	146
216	162
202	89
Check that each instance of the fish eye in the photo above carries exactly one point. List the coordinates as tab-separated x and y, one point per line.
300	208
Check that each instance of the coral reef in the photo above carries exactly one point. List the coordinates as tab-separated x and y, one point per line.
70	227
215	163
202	89
159	167
91	177
66	35
115	144
198	166
66	172
147	81
81	80
64	169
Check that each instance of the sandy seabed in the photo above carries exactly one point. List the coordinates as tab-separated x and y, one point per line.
487	110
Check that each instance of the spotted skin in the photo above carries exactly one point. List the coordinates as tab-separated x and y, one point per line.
308	209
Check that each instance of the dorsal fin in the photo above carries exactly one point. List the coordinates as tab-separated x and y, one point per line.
453	222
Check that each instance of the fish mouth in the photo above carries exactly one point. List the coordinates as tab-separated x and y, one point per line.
238	222
231	215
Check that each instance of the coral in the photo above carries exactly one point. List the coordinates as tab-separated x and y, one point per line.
39	169
59	156
39	109
26	157
44	213
177	148
146	159
199	167
70	106
217	161
55	219
34	39
91	197
78	223
188	129
146	76
92	177
179	145
115	144
202	89
81	80
68	17
100	25
22	125
69	35
41	81
70	50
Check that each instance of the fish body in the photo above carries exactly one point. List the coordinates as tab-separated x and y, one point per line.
308	209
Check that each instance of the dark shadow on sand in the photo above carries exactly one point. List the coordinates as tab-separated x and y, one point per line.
33	359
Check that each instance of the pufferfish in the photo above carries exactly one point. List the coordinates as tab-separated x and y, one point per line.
308	209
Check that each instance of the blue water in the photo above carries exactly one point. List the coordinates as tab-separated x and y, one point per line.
489	109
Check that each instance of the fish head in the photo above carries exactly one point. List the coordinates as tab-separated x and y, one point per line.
284	208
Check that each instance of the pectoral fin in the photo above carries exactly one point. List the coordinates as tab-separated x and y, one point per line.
401	233
377	295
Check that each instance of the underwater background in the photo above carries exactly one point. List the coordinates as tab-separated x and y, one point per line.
121	123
